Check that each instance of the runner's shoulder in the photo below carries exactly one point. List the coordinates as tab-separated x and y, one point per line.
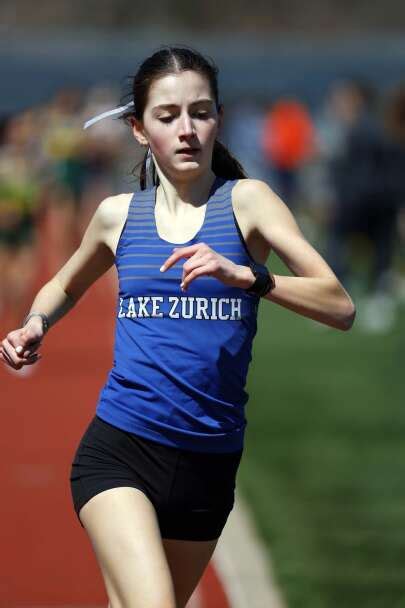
113	210
246	188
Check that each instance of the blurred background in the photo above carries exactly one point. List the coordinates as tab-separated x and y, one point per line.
314	97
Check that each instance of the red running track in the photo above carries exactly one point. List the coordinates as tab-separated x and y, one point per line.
46	558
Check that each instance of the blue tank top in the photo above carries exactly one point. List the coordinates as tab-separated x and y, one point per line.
180	358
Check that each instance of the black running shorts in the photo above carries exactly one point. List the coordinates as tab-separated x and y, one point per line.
192	492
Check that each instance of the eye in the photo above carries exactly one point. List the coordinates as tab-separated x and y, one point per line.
202	115
166	119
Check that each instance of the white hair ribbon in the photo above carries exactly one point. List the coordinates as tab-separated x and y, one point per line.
119	110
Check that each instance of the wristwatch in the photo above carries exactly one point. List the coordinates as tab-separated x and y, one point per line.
44	317
264	280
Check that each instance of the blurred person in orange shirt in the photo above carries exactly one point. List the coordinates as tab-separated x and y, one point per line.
288	142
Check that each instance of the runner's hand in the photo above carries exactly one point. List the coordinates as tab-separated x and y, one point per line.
20	346
202	260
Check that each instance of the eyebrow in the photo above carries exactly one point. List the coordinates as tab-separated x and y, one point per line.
166	106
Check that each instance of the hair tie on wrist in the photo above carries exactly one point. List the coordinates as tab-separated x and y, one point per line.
44	317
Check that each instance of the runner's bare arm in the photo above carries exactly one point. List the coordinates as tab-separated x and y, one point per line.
314	291
92	258
90	261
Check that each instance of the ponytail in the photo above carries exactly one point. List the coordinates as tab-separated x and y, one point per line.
143	177
224	164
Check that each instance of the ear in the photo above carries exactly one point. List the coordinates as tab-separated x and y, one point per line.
138	131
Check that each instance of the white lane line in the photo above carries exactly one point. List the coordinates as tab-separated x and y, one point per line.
243	563
195	600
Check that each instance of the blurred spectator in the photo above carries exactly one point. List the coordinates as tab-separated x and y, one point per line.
288	141
101	150
19	210
394	125
65	173
242	134
80	165
358	177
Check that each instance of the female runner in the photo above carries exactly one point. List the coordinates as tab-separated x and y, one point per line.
154	474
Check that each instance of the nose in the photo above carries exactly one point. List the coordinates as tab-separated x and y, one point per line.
186	125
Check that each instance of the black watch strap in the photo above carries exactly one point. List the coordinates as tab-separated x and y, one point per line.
264	280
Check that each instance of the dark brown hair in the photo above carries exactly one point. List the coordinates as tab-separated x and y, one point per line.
168	60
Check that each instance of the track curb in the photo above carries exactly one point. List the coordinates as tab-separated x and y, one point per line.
243	563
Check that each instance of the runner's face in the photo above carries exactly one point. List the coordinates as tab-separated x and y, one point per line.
189	119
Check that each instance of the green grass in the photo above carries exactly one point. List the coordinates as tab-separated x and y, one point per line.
324	461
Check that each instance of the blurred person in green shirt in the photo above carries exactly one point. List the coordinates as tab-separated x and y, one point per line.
20	206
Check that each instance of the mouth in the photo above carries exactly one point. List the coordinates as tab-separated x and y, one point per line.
187	151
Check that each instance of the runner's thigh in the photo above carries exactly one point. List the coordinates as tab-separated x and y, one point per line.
187	560
124	531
